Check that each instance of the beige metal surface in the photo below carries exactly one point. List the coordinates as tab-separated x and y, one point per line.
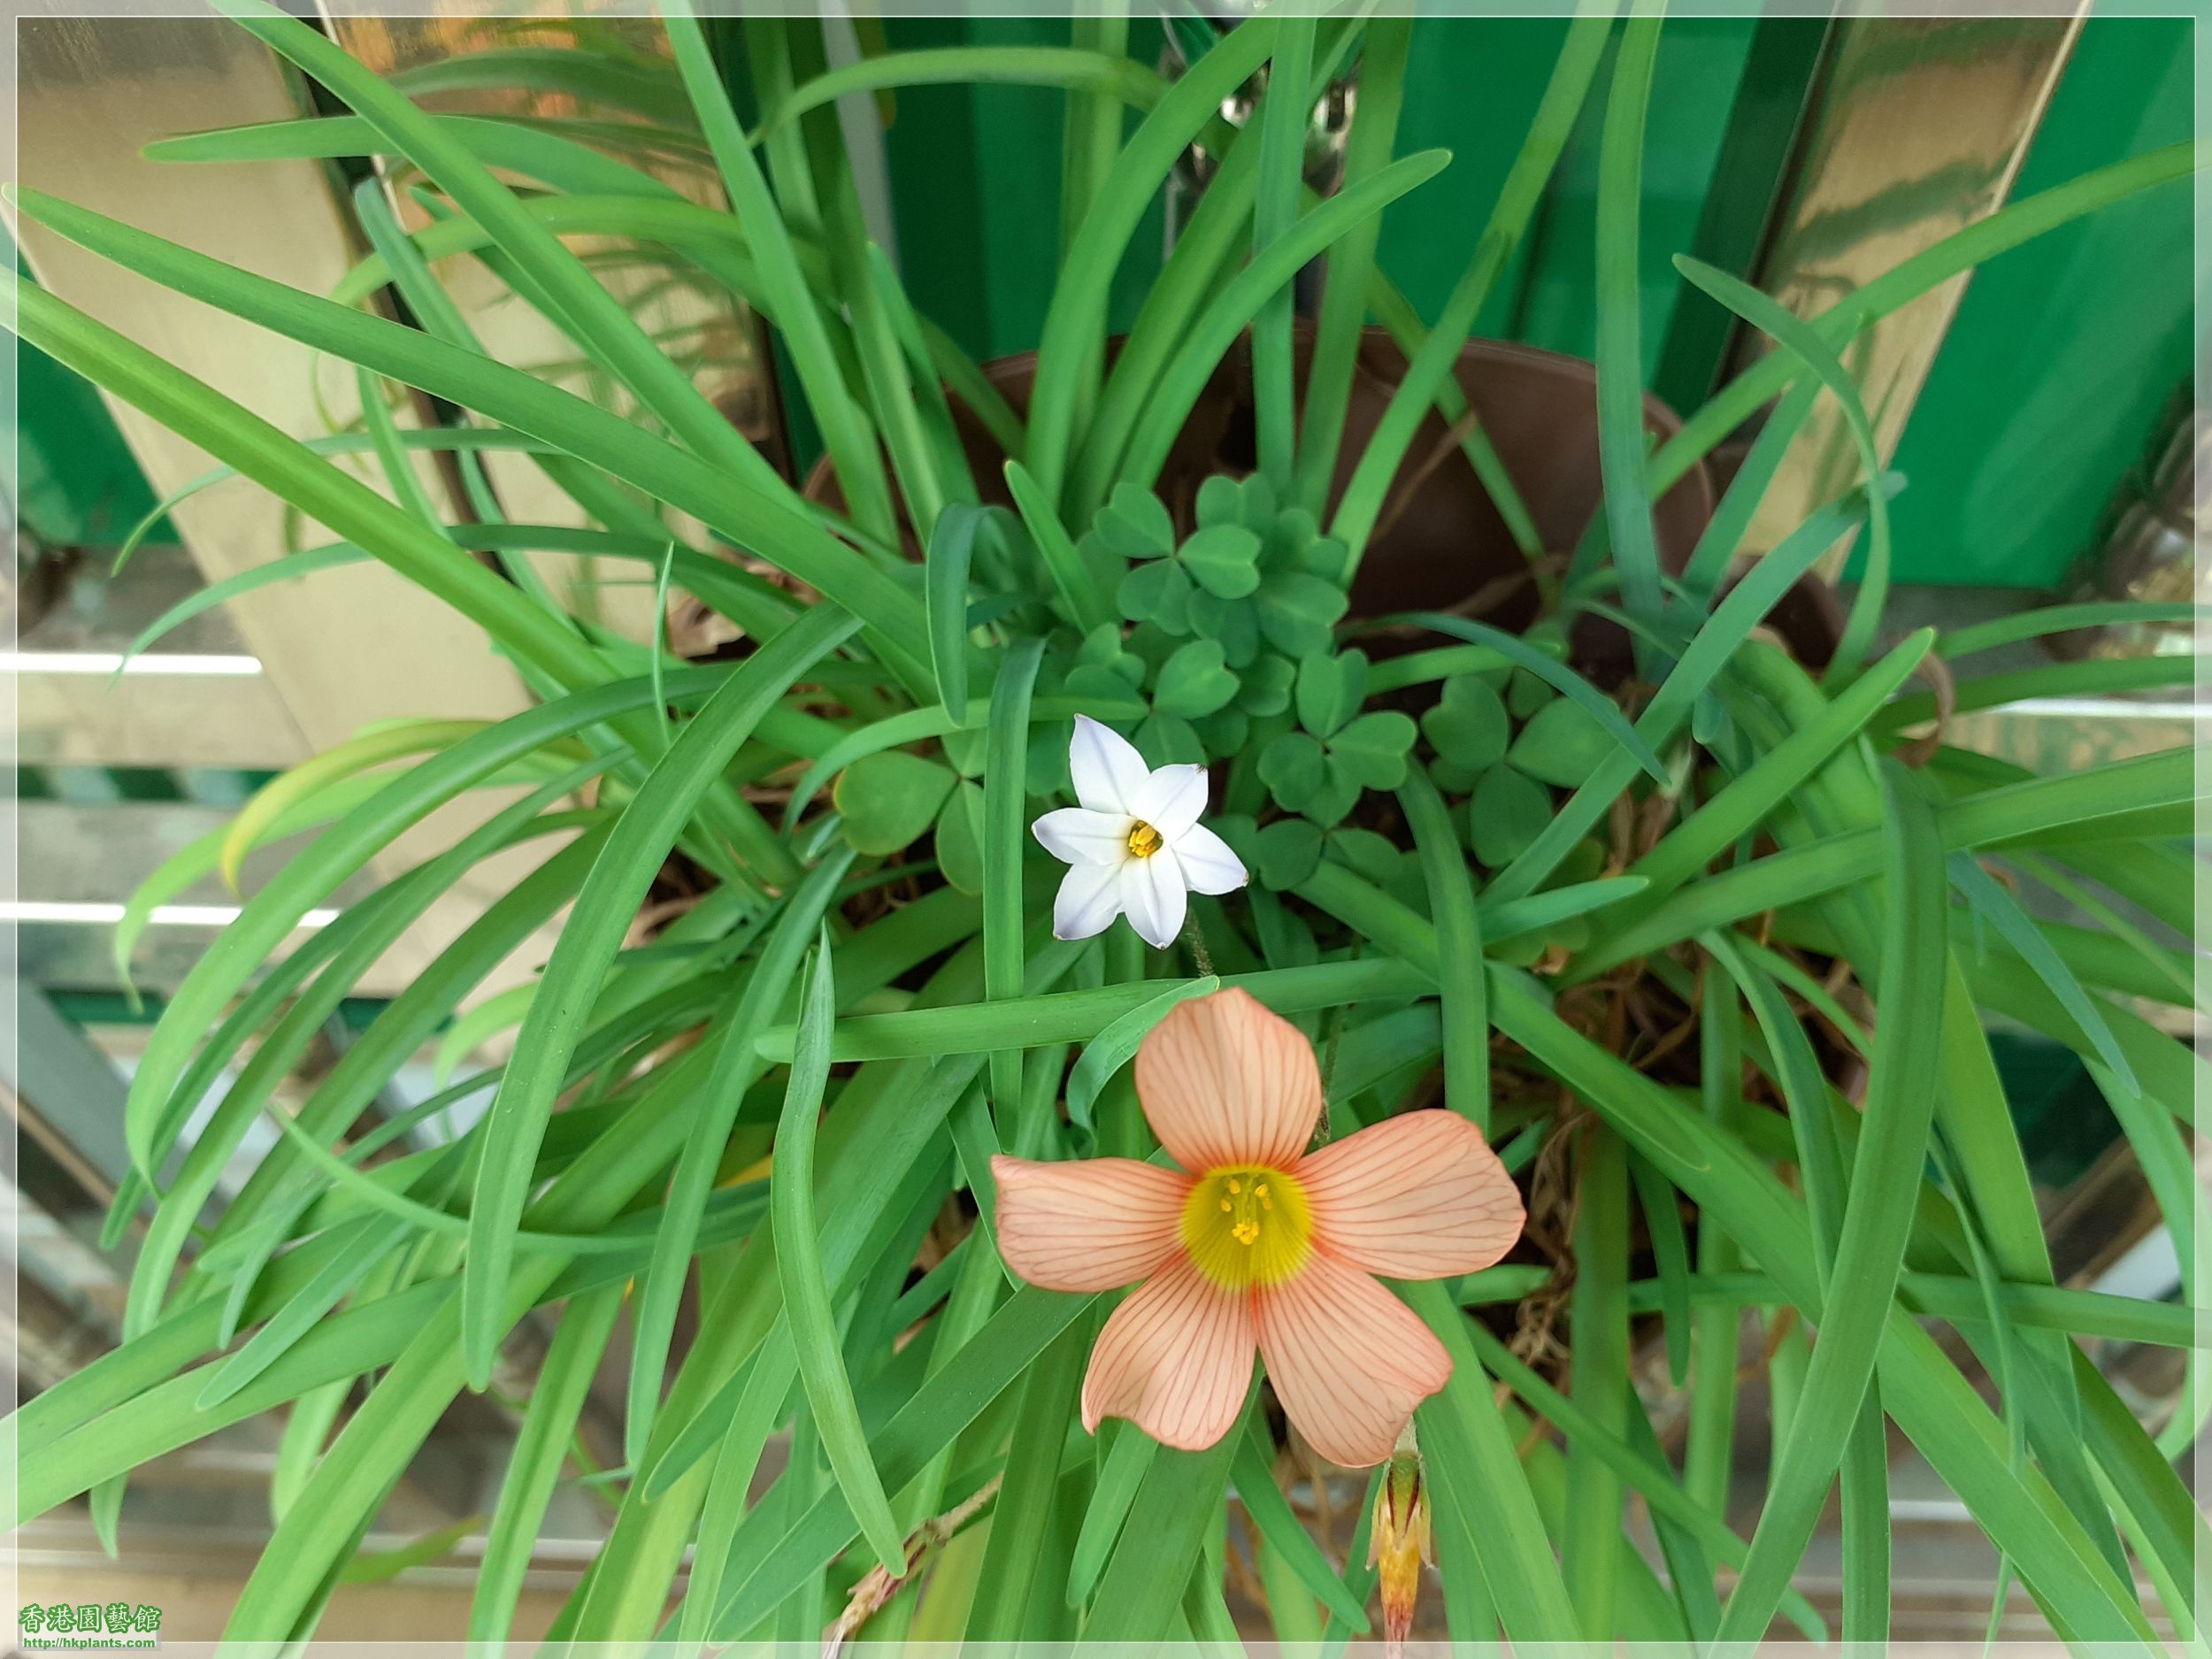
700	326
1922	127
351	646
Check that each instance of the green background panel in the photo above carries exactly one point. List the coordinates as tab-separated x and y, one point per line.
1694	83
975	181
2049	389
2056	372
77	482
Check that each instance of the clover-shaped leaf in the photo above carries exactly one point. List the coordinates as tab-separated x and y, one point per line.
1372	749
1508	810
1328	558
1225	733
1469	726
1288	534
1305	777
1526	693
1562	744
1449	778
966	749
1195	681
1267	686
1135	524
1156	592
1330	688
1297	613
960	840
1152	645
1167	740
1287	852
1102	648
1256	506
1222	559
1234	623
1219	500
888	800
1095	681
1294	769
1374	857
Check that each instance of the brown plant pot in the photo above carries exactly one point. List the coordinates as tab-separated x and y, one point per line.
1445	542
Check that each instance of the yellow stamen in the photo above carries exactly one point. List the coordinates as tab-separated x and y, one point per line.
1144	840
1247	1227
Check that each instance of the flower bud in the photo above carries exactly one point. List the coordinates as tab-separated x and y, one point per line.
1398	1541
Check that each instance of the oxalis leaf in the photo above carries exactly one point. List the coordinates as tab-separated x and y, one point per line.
1297	611
1195	682
1553	673
1468	726
888	800
1222	559
1330	688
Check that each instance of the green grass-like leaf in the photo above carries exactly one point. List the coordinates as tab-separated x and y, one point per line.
806	1297
1877	1217
610	896
1076	315
1005	834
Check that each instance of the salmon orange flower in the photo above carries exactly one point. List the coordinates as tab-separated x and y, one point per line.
1256	1243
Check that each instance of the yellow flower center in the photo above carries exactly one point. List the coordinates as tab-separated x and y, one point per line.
1144	840
1247	1227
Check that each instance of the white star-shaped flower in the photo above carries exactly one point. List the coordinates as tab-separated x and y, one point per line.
1135	845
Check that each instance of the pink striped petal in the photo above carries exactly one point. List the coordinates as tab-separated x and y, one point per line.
1226	1084
1175	1359
1348	1359
1092	1224
1415	1197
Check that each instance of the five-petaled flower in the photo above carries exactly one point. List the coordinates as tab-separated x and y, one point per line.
1255	1242
1135	845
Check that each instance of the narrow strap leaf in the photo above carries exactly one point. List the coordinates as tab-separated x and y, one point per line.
1243	296
1005	804
1797	337
618	881
1287	1536
1429	368
1077	310
1083	603
806	1296
754	1001
1466	1000
2008	227
1274	209
1878	1217
549	1424
1621	445
1384	49
951	550
1117	1045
